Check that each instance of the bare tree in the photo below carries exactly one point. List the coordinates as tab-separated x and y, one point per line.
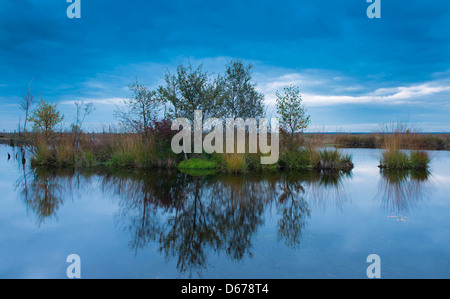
139	112
82	110
25	105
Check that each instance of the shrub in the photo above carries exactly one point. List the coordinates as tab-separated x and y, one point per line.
253	161
197	164
300	159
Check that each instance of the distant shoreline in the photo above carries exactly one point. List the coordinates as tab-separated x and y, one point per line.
416	141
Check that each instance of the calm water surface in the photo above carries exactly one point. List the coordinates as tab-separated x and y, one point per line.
172	225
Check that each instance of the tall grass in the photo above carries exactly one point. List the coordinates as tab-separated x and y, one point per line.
398	137
234	162
332	159
420	160
131	151
101	150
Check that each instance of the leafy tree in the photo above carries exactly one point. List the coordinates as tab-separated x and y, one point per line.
189	90
293	114
140	111
45	118
240	97
170	95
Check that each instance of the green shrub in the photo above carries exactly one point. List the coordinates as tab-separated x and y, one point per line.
300	159
121	160
253	162
197	164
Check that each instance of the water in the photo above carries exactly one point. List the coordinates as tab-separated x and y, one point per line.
162	225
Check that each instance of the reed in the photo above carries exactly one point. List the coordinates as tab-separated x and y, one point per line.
234	162
420	160
333	159
397	138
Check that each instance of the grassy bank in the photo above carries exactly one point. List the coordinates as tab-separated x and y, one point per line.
413	141
402	150
133	152
302	159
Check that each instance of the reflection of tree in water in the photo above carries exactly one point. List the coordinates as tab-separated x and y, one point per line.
401	190
144	197
294	210
43	190
188	216
191	215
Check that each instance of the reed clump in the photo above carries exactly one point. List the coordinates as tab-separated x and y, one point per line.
397	139
397	159
331	159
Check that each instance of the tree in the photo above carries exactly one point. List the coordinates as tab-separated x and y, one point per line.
140	111
189	90
45	118
240	97
82	110
170	95
25	105
293	114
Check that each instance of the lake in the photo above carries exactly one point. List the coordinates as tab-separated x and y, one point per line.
271	225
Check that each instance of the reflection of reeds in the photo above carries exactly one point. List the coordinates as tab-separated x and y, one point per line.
402	190
328	188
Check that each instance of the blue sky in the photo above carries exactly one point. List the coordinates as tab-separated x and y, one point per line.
355	73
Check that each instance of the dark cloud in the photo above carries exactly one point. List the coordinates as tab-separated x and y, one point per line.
37	41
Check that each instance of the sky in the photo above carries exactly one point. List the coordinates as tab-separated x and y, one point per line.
355	73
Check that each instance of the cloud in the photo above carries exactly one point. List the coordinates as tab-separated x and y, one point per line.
391	96
328	92
97	102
